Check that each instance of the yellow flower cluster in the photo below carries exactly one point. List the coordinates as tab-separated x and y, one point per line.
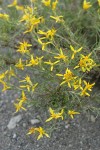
23	47
4	76
65	65
39	130
30	19
86	63
28	84
49	34
54	116
68	77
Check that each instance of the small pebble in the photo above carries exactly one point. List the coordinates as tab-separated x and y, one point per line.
70	145
14	136
67	126
24	125
34	121
93	118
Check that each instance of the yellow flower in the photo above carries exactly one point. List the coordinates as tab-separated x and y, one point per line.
32	24
41	133
49	34
42	32
25	17
99	2
23	97
20	65
86	63
5	86
72	113
43	44
13	4
51	64
3	75
22	100
4	16
54	4
57	18
39	130
33	61
23	47
40	59
31	130
31	21
27	86
61	56
19	106
34	86
86	5
55	115
74	51
67	77
27	79
77	84
29	10
11	73
18	7
87	87
46	2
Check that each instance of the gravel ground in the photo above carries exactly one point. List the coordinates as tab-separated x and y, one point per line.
81	133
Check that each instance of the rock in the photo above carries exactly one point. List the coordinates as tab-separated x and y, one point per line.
13	121
24	125
34	121
37	145
67	126
93	118
14	136
70	145
5	133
